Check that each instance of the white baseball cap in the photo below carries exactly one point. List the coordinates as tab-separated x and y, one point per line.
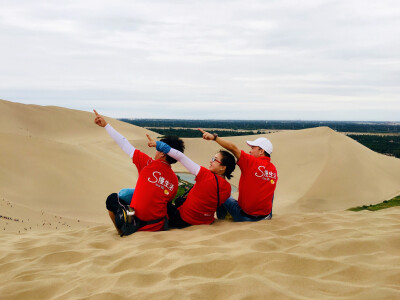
263	143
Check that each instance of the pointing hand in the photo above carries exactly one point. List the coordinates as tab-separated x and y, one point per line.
99	120
206	135
151	143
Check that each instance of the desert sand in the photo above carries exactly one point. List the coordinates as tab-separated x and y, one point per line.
57	168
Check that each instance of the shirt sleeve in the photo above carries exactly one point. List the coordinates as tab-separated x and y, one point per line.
243	160
190	165
141	160
203	173
122	142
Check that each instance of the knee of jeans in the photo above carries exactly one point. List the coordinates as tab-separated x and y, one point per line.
229	201
111	201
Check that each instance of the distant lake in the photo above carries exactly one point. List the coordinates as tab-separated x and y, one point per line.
190	178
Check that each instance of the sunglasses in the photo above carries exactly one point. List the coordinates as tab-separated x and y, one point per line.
214	159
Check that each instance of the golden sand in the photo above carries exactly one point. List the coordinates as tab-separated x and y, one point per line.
56	242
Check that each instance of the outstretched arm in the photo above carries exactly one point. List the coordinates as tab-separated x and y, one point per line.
190	165
115	135
224	143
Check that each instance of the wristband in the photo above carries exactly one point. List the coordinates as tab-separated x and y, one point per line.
162	147
215	136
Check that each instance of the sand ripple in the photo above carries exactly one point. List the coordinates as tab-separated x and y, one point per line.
331	255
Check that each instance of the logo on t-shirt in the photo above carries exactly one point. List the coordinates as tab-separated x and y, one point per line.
161	182
265	174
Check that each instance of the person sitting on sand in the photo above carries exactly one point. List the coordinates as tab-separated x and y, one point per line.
157	184
257	182
210	190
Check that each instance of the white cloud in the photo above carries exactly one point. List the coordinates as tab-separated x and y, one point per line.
318	59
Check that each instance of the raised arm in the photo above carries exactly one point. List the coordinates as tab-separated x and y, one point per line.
190	165
224	143
122	142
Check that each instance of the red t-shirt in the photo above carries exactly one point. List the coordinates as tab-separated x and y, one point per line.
201	202
257	184
156	186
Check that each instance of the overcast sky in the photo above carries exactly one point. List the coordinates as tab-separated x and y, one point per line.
308	60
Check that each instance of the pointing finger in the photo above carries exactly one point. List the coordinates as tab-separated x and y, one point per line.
149	138
201	130
96	113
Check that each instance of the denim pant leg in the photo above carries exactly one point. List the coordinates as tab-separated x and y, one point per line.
232	206
126	195
221	212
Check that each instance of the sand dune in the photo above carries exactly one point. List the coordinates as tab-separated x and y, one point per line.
57	167
323	170
311	256
74	164
57	159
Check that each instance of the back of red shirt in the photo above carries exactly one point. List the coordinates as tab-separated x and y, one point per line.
257	184
201	202
156	186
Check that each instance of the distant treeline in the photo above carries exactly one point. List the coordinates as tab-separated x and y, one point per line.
188	133
372	127
389	145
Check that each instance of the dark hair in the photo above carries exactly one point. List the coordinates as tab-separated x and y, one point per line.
228	160
174	142
265	152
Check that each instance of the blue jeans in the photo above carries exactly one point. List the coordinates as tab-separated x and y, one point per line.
232	206
126	195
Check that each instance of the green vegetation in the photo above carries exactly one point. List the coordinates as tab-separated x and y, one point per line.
372	127
386	144
375	140
385	204
183	187
188	133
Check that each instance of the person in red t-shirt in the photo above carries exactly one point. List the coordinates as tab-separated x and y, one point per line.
257	182
209	192
157	184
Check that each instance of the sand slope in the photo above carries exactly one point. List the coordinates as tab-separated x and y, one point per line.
56	242
62	160
323	170
315	256
57	159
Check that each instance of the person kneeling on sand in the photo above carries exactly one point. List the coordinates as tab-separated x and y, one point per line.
257	182
209	192
157	184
